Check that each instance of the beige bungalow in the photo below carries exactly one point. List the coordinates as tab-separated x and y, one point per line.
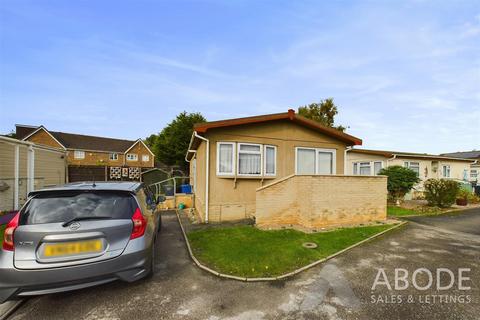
282	170
370	162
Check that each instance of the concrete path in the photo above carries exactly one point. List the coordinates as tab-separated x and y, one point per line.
340	289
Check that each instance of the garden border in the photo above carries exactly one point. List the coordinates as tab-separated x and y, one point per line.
283	276
453	210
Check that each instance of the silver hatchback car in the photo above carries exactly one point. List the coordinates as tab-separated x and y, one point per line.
79	235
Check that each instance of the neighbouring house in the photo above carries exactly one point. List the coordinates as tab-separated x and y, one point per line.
24	167
370	162
473	155
283	170
92	157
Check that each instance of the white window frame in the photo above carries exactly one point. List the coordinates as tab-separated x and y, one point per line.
135	158
239	144
296	159
449	170
363	164
474	173
407	164
274	160
232	173
145	156
76	154
113	156
371	165
317	150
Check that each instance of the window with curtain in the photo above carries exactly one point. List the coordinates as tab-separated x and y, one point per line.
246	159
315	161
305	161
249	159
325	162
270	160
225	163
446	171
415	166
364	168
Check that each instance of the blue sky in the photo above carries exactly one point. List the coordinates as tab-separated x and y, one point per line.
405	74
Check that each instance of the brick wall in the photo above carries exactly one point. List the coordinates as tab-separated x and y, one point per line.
43	138
313	202
140	150
95	158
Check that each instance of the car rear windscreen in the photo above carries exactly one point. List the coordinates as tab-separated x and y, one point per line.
54	207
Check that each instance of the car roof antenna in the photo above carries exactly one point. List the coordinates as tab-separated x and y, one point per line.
93	185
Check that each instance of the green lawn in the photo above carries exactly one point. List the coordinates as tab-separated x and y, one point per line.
249	252
2	228
395	211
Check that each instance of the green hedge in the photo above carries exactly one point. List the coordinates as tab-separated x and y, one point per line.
441	192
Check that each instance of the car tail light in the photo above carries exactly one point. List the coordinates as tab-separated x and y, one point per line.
139	224
8	234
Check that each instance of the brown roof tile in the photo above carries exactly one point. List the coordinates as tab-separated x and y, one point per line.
290	115
79	141
21	131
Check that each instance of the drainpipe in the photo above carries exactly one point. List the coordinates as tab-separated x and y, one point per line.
189	146
345	160
392	158
207	172
16	177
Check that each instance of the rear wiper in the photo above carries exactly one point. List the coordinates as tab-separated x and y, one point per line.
66	224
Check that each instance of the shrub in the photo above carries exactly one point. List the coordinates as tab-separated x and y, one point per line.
473	199
464	194
441	192
400	181
468	195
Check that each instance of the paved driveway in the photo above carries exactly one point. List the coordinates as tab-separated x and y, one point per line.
341	289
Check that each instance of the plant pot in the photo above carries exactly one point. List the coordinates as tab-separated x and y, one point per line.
462	202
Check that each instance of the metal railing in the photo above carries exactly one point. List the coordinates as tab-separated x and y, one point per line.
157	186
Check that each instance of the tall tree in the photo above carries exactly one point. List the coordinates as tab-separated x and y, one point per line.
171	144
323	112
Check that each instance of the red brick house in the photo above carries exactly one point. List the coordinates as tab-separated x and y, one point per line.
93	157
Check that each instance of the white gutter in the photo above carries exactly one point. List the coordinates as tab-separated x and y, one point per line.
392	158
207	171
345	160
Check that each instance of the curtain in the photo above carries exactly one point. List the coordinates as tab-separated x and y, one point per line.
249	163
226	158
270	160
365	170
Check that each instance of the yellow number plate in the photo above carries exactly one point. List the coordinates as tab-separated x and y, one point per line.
71	248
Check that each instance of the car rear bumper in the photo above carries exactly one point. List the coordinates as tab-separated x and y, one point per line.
130	266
